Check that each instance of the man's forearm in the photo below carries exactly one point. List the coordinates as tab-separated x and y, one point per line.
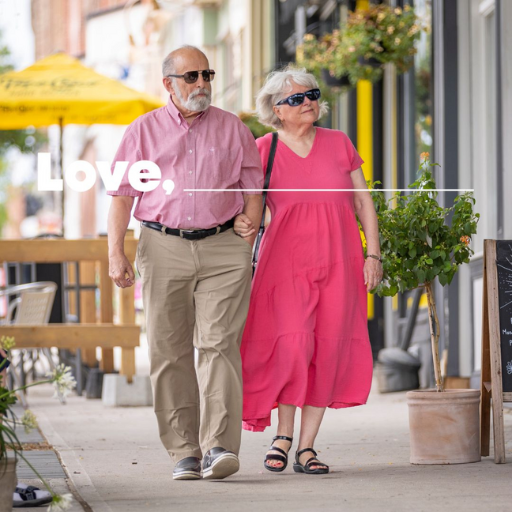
253	208
118	220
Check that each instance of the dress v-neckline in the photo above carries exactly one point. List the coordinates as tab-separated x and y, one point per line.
310	151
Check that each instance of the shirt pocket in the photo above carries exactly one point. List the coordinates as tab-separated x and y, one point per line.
221	164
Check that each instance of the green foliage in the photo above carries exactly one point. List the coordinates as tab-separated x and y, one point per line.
26	141
5	65
63	383
417	242
251	121
317	54
380	33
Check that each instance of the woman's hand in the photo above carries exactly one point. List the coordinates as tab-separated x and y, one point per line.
244	226
372	273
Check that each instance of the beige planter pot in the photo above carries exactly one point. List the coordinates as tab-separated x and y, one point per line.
444	427
7	484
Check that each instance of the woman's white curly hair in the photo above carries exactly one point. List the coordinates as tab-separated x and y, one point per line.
277	86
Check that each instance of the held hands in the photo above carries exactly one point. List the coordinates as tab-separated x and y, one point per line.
244	226
118	267
372	273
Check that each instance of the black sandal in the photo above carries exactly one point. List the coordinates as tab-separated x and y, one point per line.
274	456
313	461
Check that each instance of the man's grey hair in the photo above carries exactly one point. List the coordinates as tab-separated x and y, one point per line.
169	66
277	86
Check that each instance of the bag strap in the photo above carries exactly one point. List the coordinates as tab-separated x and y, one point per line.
270	164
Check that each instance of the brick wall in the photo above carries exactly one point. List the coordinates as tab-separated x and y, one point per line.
59	25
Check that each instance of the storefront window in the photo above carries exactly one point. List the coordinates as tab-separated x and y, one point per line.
423	82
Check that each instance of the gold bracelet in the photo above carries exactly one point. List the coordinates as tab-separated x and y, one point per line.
375	257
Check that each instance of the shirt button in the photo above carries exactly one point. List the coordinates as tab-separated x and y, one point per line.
190	193
189	218
190	172
190	151
190	131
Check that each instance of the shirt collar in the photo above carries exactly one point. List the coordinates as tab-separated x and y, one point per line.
176	114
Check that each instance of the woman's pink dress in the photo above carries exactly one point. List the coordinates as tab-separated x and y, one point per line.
306	337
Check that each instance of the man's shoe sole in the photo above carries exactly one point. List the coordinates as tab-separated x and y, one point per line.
186	475
225	465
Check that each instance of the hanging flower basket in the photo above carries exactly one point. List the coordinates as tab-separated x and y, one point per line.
376	36
322	58
359	50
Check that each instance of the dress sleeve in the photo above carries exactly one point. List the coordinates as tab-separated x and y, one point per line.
250	175
354	160
128	151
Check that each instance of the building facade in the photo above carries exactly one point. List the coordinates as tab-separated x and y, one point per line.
456	103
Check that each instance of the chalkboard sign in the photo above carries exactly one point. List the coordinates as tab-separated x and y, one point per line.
496	383
504	268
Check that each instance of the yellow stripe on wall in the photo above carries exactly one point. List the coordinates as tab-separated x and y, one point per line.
365	126
365	133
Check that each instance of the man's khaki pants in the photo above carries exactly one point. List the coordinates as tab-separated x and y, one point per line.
195	294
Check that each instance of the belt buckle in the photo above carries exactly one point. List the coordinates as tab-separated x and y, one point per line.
186	231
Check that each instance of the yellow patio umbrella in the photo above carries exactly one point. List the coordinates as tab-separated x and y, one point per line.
60	90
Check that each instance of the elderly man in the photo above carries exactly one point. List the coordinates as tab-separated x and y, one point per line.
196	272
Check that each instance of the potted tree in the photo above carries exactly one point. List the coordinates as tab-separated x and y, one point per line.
10	447
420	245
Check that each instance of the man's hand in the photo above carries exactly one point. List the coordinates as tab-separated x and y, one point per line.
118	219
244	226
118	268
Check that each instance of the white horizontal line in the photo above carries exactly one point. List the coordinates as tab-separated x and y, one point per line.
327	190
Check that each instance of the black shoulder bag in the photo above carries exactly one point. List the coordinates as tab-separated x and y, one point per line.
270	163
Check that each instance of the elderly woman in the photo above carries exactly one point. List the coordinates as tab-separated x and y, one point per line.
306	338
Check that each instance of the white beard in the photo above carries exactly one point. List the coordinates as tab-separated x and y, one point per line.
193	103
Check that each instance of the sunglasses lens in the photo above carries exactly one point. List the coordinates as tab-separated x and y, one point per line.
296	100
313	95
208	75
190	77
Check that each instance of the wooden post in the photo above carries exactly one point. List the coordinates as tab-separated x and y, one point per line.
127	316
72	299
88	306
106	312
495	352
485	388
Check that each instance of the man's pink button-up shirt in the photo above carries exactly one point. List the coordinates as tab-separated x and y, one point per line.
216	151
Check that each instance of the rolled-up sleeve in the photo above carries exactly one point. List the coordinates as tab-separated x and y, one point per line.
128	151
251	175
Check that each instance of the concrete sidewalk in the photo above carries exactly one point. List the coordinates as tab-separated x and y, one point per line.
116	463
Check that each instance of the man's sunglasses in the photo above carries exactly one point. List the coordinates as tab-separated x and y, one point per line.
298	99
191	77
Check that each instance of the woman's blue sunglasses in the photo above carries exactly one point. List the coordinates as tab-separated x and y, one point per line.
298	99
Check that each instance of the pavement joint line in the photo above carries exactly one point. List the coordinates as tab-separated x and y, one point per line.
88	496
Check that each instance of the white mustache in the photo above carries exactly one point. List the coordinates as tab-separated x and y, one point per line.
206	92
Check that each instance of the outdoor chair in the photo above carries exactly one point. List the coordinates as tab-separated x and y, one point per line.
32	306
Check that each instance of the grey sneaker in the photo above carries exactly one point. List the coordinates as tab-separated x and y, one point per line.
219	463
188	468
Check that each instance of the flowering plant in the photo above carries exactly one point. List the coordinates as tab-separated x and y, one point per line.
63	383
369	39
377	36
418	245
317	54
